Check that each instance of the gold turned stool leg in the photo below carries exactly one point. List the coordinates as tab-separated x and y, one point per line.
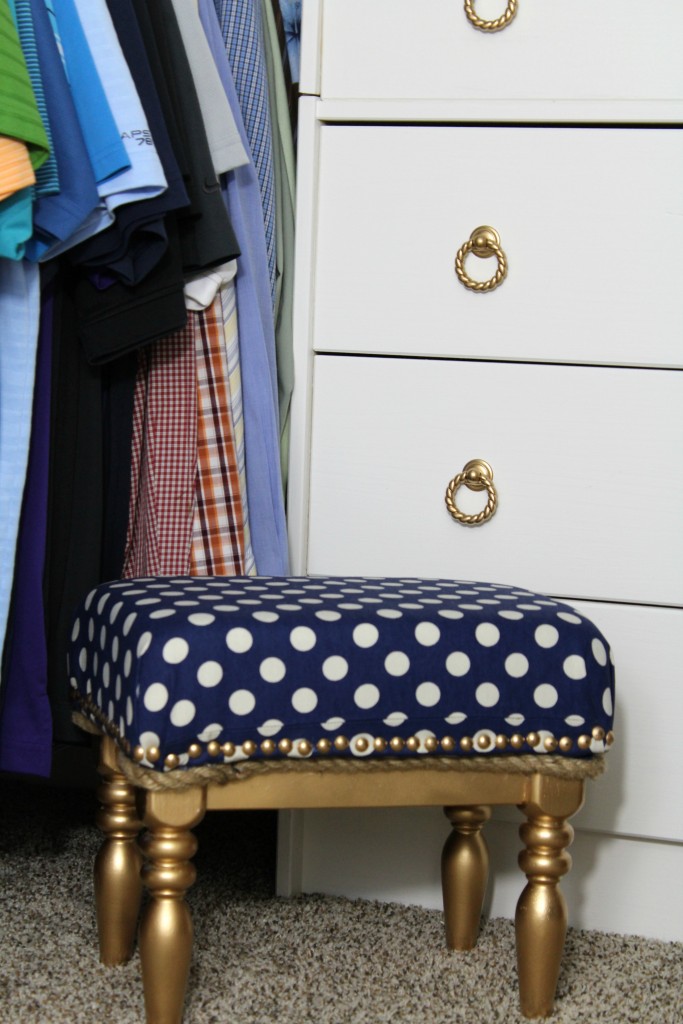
118	887
166	927
464	874
541	917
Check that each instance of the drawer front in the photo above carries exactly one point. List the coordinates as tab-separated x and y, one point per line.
397	49
587	463
590	220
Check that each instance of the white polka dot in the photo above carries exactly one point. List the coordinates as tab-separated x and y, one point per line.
427	695
148	739
272	670
365	634
127	663
162	613
103	637
397	663
546	635
175	650
144	644
395	719
83	659
210	732
242	702
156	697
335	668
487	695
448	614
515	719
607	703
266	616
546	696
366	696
304	700
575	720
106	674
457	663
427	634
487	634
201	618
599	652
76	630
129	711
239	640
512	616
115	611
390	613
574	666
516	665
328	616
270	727
568	617
209	673
128	622
182	712
302	638
332	724
455	717
115	648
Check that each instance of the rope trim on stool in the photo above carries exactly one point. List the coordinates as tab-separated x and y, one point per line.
221	774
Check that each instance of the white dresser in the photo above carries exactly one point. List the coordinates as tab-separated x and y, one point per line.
562	132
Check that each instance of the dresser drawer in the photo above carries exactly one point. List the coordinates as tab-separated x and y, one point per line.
397	49
587	464
590	220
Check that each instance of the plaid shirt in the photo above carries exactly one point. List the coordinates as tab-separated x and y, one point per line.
218	537
163	458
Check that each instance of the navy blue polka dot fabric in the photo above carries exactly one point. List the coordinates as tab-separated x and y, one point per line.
187	671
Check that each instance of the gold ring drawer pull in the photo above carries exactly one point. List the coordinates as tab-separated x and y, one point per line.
483	242
477	475
491	26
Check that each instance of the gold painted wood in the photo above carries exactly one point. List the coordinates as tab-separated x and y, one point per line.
118	886
541	916
464	874
166	927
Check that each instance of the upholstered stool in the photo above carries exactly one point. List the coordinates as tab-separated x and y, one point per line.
258	692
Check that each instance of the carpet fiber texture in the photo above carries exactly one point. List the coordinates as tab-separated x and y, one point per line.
259	958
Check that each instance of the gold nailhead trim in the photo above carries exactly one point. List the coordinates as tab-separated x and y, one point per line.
466	744
324	746
284	746
213	748
397	744
362	744
194	750
413	744
501	742
598	733
516	741
584	742
249	748
550	744
153	754
609	738
171	760
228	750
379	744
341	742
268	748
533	739
483	742
448	744
304	748
566	744
139	754
431	744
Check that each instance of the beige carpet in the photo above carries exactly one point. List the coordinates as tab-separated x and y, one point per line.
262	959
